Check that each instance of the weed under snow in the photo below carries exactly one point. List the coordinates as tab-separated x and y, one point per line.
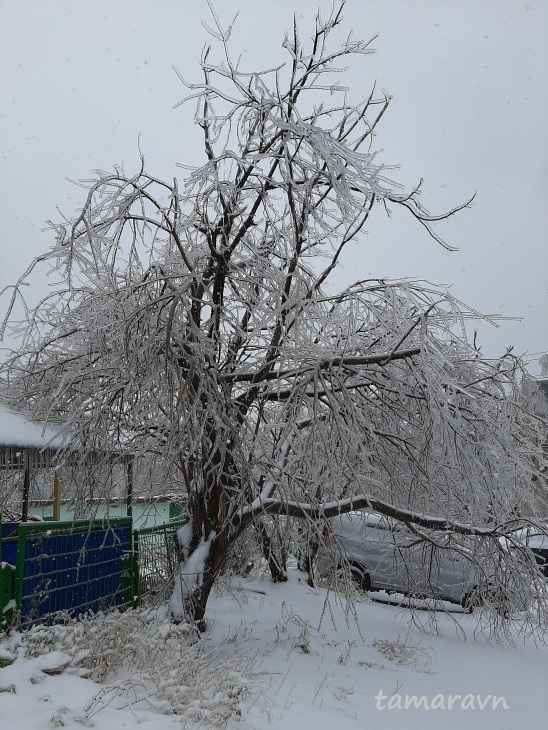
143	660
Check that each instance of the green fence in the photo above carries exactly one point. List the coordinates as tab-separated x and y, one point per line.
6	588
156	558
54	569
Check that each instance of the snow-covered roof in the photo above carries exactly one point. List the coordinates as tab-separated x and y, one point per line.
17	431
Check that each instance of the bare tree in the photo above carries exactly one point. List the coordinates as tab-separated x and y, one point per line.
192	323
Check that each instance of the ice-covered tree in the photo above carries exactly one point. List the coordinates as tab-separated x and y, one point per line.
192	323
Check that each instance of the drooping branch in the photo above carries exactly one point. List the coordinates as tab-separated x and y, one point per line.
363	501
334	362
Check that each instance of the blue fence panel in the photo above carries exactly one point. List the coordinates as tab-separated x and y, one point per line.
9	551
8	533
8	528
72	567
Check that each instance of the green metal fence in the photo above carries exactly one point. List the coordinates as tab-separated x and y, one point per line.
6	589
156	558
52	569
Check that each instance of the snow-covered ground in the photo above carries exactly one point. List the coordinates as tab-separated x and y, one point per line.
283	656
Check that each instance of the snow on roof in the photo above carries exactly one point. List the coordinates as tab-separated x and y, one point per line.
17	431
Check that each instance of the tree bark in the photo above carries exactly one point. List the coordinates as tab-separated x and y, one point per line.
275	559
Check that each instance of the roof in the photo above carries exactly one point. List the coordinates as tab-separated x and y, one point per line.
17	431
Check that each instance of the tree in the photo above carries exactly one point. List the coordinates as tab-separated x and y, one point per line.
193	325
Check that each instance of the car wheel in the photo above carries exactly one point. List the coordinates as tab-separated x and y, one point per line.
488	596
471	600
360	576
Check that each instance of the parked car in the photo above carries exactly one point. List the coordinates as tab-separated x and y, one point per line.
383	554
536	539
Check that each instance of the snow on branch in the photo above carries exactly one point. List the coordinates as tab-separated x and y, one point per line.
360	502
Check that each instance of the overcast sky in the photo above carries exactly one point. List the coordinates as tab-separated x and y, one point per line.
81	80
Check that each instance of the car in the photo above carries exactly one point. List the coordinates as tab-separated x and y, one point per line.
384	555
534	537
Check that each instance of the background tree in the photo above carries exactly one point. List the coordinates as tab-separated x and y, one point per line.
193	324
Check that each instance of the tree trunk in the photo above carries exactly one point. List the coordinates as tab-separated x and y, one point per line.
207	508
199	596
309	544
276	561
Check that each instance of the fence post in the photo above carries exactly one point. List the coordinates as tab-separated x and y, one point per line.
135	573
56	496
129	499
20	566
26	491
6	579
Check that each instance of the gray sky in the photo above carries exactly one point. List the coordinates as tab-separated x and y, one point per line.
81	80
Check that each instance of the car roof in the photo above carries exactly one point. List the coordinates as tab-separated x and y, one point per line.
367	518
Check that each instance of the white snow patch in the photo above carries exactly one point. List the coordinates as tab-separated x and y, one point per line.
17	430
314	666
184	536
190	577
